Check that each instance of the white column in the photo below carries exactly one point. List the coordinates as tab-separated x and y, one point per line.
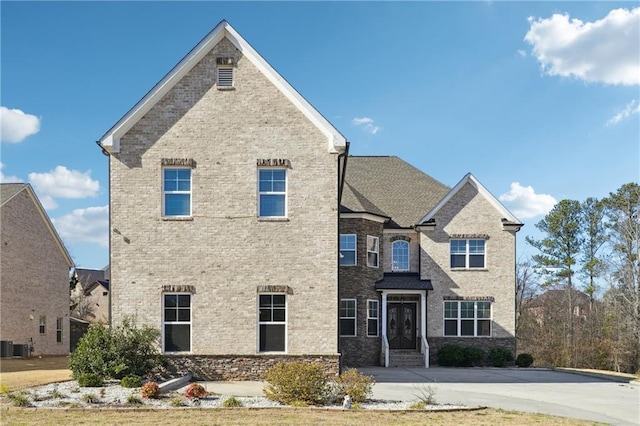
385	342
423	326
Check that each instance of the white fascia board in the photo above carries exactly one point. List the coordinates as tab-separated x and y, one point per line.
111	140
399	231
366	216
469	178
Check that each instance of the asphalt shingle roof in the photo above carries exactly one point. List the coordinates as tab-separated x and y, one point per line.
391	187
8	190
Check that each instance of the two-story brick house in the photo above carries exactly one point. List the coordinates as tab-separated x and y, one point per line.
235	233
421	265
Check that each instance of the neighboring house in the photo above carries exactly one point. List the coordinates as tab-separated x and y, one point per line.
34	276
91	295
241	228
554	304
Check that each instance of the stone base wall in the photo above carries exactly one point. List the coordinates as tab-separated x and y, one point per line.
360	351
486	344
238	367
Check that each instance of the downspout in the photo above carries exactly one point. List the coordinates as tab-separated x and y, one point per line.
105	152
342	167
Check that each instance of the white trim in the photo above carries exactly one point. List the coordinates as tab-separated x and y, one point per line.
377	318
285	323
190	322
367	216
475	319
165	193
111	140
408	256
377	252
285	193
468	178
467	255
355	317
355	250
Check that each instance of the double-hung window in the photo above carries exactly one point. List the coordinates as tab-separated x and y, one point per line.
348	244
43	324
467	253
372	318
272	322
348	317
176	189
467	318
176	322
59	330
400	256
373	251
272	193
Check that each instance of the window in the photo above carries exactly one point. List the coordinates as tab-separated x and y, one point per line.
272	193
373	251
467	254
43	324
177	192
347	317
348	249
59	330
272	322
225	76
177	323
372	318
400	256
467	318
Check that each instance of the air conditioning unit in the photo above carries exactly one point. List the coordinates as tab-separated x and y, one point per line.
21	350
6	348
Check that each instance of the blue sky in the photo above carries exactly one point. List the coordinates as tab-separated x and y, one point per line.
538	100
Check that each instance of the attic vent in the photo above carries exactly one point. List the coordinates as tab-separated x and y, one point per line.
225	76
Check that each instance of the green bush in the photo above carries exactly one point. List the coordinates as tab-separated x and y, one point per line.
353	383
232	401
296	381
131	382
500	356
459	356
90	380
122	351
524	360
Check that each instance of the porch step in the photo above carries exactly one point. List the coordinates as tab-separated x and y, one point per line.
405	358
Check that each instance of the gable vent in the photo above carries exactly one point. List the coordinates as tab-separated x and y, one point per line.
225	77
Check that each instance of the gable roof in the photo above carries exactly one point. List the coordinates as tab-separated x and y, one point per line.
390	187
111	140
9	190
88	277
508	217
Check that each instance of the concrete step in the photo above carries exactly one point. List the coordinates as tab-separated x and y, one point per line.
405	358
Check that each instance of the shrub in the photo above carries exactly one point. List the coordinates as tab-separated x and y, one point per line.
500	356
524	360
195	390
232	402
459	356
90	398
296	381
131	382
133	400
91	380
426	394
353	383
177	402
150	390
19	399
122	351
472	356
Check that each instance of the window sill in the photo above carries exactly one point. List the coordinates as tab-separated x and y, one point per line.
470	269
177	219
469	337
355	264
351	335
273	219
225	88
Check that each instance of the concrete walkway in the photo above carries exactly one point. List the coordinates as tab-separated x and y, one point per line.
608	399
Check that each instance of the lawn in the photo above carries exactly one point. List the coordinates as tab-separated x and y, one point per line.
18	373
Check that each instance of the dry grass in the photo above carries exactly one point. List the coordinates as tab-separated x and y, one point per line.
23	373
277	416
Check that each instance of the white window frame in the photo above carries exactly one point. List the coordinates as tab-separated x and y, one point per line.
393	256
267	323
42	324
467	254
376	318
59	330
177	322
459	319
348	317
219	76
165	192
376	244
354	250
284	193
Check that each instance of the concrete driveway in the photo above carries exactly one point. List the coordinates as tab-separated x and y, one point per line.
608	400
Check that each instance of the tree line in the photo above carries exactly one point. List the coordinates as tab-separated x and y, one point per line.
578	297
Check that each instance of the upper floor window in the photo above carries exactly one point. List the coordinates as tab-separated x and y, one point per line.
400	256
462	318
373	251
176	190
272	193
467	254
348	244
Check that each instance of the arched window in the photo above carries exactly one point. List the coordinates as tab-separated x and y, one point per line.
400	256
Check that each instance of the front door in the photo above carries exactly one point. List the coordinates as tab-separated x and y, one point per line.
401	325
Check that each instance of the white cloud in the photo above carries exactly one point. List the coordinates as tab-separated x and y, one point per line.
8	179
90	225
525	203
522	53
15	125
367	124
63	183
605	51
632	107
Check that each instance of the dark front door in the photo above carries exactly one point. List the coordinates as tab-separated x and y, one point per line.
401	325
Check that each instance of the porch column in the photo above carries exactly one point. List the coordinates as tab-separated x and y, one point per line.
385	342
423	327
